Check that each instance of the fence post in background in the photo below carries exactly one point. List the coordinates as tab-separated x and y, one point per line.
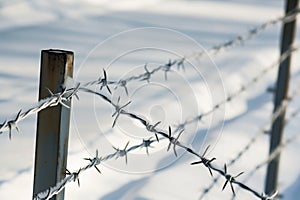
287	39
52	123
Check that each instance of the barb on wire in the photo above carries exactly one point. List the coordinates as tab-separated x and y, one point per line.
167	67
61	99
13	124
122	152
147	74
150	128
123	83
180	64
74	93
230	179
173	140
75	174
104	82
206	162
118	110
147	143
95	161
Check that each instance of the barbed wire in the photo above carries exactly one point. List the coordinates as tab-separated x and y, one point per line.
208	162
72	177
180	62
242	89
273	118
245	148
278	149
262	131
93	163
250	34
173	140
274	154
55	99
65	96
123	152
103	82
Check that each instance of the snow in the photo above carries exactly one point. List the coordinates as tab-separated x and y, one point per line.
122	36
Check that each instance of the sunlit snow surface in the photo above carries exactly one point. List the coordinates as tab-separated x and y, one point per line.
123	36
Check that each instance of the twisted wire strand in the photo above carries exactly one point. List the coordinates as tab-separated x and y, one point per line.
261	132
180	62
242	89
278	149
292	15
245	149
53	100
94	162
270	158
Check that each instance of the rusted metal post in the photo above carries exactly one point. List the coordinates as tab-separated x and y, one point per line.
53	123
287	39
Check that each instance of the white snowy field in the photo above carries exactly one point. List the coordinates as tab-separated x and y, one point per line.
121	37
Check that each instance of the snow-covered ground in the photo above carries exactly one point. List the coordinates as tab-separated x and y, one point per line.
122	36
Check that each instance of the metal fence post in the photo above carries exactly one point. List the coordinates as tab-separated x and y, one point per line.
287	39
53	123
